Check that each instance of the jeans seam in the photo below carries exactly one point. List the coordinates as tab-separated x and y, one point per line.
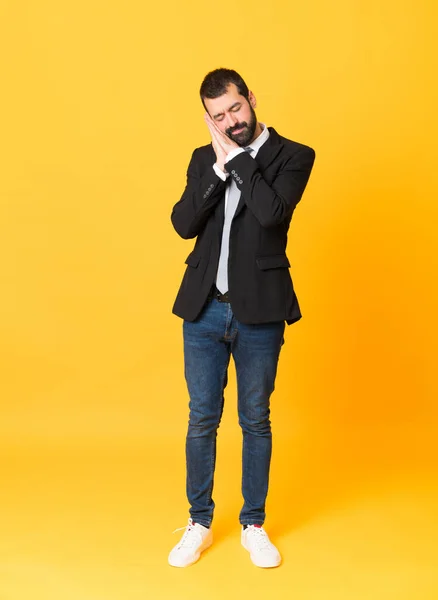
214	447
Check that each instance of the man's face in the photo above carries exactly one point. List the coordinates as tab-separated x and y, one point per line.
234	115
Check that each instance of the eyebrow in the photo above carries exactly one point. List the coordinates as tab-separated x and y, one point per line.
231	107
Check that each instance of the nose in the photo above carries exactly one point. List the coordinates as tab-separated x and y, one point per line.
231	120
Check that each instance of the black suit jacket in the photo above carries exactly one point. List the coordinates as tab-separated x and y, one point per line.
271	185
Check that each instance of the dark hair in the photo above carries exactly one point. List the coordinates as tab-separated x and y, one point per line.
216	82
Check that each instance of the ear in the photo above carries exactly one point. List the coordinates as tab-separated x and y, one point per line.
252	99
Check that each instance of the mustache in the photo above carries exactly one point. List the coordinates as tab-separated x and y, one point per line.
231	130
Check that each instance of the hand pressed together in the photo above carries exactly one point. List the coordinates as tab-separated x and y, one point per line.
222	144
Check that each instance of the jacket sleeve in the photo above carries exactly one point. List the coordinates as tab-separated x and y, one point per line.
200	197
272	204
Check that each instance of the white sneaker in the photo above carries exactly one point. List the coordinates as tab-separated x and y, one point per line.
261	550
195	539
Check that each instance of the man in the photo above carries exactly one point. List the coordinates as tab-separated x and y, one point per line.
235	297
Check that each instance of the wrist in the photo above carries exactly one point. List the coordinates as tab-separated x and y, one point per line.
234	152
221	173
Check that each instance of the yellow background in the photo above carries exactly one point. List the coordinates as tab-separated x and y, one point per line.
99	114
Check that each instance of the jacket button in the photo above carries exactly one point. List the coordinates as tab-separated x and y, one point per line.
232	172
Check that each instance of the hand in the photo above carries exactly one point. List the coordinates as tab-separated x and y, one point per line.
222	144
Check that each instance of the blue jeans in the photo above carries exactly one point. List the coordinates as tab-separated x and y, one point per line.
208	344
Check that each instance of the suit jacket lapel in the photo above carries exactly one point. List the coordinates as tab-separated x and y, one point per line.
270	150
265	157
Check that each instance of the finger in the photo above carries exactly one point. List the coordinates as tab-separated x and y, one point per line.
214	140
209	121
214	133
210	126
215	127
217	148
212	123
214	144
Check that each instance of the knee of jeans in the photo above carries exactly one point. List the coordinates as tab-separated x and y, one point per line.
201	425
256	425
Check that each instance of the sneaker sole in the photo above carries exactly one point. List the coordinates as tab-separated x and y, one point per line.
258	564
196	558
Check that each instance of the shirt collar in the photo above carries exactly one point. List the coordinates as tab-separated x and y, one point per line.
260	140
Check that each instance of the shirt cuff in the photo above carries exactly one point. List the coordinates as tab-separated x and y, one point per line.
234	153
220	173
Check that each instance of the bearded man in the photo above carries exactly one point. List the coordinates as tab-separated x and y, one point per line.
235	298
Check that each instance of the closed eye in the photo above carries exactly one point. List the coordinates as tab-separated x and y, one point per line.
234	108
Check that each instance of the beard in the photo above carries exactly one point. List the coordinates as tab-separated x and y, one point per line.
244	137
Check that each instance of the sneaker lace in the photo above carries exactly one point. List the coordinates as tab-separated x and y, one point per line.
191	535
259	537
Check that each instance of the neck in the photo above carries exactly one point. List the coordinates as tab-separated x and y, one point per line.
257	132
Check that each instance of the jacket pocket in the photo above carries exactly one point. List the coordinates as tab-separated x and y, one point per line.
275	261
193	260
